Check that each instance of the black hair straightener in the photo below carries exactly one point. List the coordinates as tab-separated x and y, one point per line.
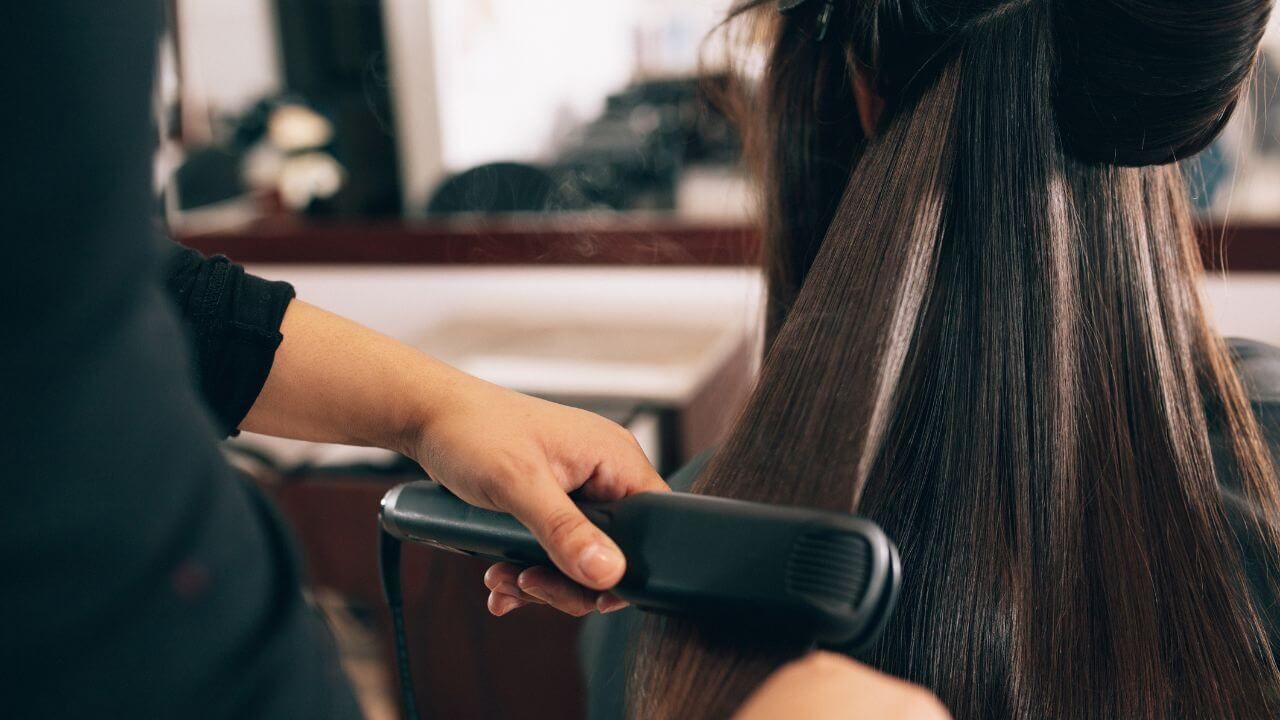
831	577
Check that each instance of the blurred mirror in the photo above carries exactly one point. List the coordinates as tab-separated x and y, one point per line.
448	108
358	108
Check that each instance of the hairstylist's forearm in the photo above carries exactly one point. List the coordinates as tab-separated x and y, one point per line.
335	381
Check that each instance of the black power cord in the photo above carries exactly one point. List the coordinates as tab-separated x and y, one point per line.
389	571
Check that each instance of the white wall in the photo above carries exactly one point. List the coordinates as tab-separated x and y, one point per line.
230	53
513	75
1246	305
511	71
415	98
406	302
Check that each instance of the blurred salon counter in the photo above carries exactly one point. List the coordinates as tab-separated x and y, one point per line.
667	351
629	239
1243	258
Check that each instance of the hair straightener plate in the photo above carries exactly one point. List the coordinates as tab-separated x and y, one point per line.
830	576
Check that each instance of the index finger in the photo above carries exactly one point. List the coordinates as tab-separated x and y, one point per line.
578	548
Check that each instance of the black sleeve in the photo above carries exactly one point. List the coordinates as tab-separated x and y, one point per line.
233	321
143	578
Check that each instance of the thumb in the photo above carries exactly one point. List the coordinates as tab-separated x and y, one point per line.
578	548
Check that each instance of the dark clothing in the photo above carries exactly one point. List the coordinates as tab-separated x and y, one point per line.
606	638
233	320
142	576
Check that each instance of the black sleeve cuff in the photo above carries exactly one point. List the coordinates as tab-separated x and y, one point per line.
233	319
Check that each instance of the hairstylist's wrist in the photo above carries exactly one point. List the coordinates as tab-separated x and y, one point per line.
434	393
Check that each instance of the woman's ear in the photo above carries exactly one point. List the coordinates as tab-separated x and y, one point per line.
870	104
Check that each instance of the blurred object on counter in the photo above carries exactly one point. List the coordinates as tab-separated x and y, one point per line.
495	188
632	157
279	147
721	194
284	99
335	60
208	176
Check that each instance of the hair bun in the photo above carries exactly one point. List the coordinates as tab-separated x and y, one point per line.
1147	83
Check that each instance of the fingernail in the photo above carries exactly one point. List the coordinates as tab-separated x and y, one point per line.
503	604
600	563
607	603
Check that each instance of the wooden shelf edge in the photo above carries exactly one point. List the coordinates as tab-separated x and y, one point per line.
1234	248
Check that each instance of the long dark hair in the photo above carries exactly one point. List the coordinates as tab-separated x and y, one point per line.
985	333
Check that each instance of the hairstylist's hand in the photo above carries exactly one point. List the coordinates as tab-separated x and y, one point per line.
505	451
824	686
335	381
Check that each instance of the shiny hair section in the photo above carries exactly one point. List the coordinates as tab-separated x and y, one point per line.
991	342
